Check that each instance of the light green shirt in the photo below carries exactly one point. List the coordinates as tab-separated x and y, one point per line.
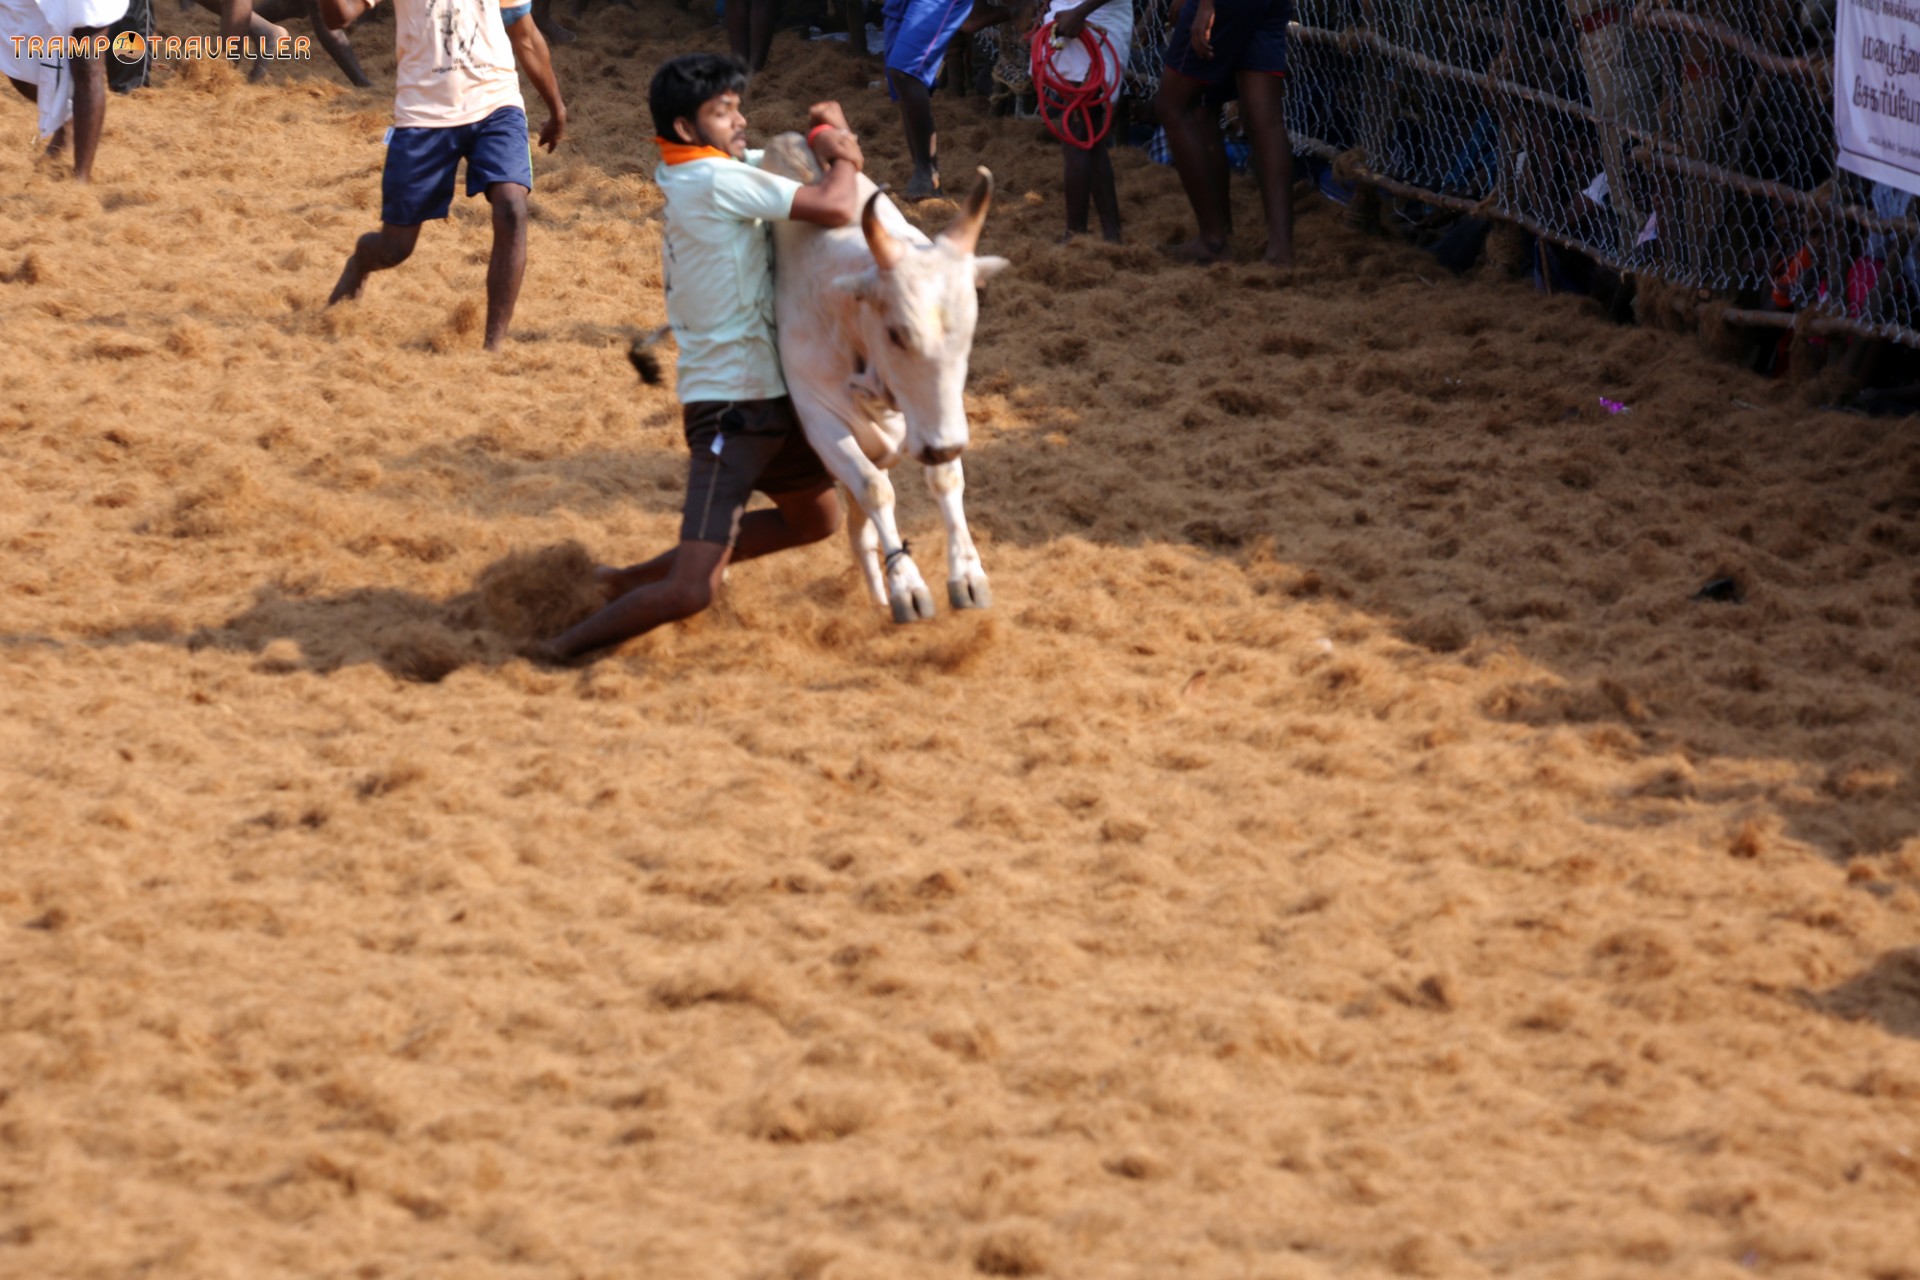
719	275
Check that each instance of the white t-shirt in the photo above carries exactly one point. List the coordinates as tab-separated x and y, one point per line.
455	64
718	253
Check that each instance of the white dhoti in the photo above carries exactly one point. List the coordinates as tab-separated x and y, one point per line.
50	76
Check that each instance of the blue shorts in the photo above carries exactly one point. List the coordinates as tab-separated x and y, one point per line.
417	184
1248	35
918	33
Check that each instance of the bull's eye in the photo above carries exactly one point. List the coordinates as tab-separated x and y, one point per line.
897	338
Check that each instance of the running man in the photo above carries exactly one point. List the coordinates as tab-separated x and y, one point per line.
457	97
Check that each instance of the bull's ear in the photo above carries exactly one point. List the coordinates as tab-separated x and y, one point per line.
985	269
860	284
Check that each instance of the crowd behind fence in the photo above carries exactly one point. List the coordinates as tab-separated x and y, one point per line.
1689	141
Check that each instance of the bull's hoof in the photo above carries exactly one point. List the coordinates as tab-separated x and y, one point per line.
915	605
969	593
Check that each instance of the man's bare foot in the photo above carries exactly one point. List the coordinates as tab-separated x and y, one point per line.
57	144
348	286
1196	251
1278	259
922	186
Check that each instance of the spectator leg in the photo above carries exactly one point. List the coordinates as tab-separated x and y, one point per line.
508	264
916	116
89	107
1263	103
1199	157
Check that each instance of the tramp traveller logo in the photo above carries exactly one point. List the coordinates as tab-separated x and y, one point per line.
130	47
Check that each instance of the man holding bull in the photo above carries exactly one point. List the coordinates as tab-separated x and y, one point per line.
740	427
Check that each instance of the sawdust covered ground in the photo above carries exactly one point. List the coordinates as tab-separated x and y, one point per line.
1343	850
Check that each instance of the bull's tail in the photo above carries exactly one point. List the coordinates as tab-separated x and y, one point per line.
644	361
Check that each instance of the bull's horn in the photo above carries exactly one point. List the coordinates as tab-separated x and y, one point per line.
964	234
887	250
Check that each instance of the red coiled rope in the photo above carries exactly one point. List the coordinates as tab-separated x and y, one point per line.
1068	107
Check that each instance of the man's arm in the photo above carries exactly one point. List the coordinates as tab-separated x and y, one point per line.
530	50
834	201
1071	22
1200	35
341	14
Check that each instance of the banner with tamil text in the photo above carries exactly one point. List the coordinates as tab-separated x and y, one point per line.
1876	90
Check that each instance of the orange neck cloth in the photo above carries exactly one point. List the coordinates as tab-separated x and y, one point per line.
673	153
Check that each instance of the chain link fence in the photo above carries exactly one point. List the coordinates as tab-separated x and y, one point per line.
1683	141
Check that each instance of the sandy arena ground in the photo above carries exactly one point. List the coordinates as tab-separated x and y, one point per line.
1343	850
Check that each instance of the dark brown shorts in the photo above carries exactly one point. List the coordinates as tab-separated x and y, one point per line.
738	446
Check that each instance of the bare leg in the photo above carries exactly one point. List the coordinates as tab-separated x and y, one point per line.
750	32
337	46
89	107
693	574
916	116
1106	197
1193	134
687	590
266	34
1078	184
796	520
376	251
739	29
258	22
762	11
508	265
1263	100
235	17
1090	176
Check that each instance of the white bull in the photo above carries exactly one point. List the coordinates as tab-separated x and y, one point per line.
876	326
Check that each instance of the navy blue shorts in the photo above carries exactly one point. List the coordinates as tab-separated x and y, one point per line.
918	35
417	184
1248	35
